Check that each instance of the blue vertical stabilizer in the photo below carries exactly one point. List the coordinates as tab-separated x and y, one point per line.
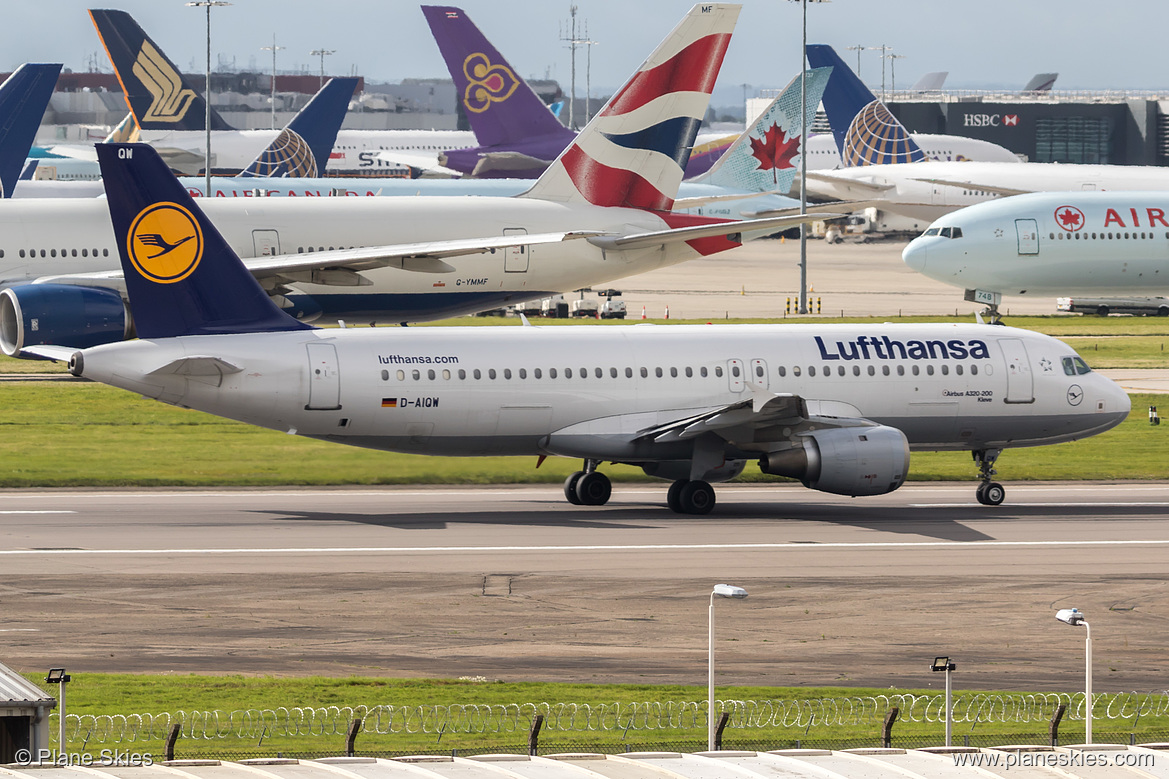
301	150
24	96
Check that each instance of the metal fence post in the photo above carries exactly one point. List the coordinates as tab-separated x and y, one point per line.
351	736
887	729
1055	718
534	735
723	719
175	730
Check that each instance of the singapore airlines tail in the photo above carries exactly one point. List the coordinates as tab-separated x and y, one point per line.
500	106
634	151
866	132
159	97
301	150
23	99
181	274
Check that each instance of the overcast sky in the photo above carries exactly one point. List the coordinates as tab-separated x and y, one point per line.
982	43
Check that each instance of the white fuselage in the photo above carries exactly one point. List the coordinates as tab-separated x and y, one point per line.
824	155
914	190
588	391
1051	243
41	238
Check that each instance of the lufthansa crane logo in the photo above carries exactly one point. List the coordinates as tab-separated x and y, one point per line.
170	100
165	243
488	83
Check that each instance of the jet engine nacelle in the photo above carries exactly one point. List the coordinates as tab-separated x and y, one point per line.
845	461
676	470
61	314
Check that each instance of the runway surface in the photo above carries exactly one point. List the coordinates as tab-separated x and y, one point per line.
513	583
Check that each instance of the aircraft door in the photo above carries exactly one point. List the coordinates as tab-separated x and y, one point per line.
735	375
1020	382
515	258
266	243
324	378
757	375
1028	233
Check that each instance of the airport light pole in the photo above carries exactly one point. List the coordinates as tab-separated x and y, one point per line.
208	4
884	51
803	307
322	53
1075	618
944	664
722	591
893	70
272	96
59	677
858	49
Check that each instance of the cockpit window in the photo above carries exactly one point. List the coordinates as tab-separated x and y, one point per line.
931	231
950	232
1075	366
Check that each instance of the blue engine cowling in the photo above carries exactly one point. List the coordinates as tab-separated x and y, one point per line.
63	315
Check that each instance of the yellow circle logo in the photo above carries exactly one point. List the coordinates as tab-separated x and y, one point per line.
165	243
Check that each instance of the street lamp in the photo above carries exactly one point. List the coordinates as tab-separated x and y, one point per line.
858	49
722	591
804	156
208	4
59	677
272	98
893	71
884	54
944	664
1075	618
322	53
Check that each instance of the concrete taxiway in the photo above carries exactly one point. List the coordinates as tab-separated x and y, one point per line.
511	583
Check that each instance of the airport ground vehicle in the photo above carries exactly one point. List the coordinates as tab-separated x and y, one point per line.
1139	306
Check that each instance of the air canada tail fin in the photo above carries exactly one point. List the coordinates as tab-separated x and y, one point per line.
866	132
766	157
302	148
634	150
500	106
159	97
181	275
24	96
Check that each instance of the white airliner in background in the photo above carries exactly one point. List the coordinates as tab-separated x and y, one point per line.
838	407
1050	243
823	153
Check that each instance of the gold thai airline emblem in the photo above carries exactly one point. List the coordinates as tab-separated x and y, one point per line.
165	243
488	83
170	100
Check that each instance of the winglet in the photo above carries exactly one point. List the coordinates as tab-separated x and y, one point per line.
24	96
181	276
866	132
302	148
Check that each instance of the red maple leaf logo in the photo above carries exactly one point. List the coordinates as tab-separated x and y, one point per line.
775	151
1070	218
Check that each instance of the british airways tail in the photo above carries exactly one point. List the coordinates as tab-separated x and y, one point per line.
302	148
500	106
181	276
159	97
766	157
24	96
634	150
866	132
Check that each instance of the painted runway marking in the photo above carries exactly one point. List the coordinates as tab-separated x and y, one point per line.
31	511
804	545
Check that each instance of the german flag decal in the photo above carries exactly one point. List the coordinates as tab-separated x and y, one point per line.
389	402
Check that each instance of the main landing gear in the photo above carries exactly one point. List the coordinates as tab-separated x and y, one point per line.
690	497
990	493
589	487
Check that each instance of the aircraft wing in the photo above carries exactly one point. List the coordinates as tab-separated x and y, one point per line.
822	210
508	160
696	202
1005	191
660	237
827	184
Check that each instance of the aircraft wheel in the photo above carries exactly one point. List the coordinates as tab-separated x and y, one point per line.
696	497
570	487
674	496
993	494
593	489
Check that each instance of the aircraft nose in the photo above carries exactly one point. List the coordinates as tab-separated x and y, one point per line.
1113	403
914	255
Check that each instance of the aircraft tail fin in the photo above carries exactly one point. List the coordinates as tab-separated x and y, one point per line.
158	95
766	157
125	132
24	96
182	277
500	106
634	150
866	132
302	148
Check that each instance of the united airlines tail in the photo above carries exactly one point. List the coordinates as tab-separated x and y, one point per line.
181	275
159	97
634	151
766	157
24	96
866	132
500	106
302	148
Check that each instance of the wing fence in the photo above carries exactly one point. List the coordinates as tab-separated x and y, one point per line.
646	716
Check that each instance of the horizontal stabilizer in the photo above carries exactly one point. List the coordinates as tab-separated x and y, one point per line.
823	210
682	203
495	161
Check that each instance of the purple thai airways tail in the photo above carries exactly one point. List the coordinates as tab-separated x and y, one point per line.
501	107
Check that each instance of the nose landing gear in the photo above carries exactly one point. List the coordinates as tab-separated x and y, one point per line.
989	493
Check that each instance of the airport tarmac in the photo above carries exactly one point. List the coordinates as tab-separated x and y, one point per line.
511	583
757	279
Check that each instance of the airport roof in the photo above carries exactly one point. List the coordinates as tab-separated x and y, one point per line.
16	690
1018	762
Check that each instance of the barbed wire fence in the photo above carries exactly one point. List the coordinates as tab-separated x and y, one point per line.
647	716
